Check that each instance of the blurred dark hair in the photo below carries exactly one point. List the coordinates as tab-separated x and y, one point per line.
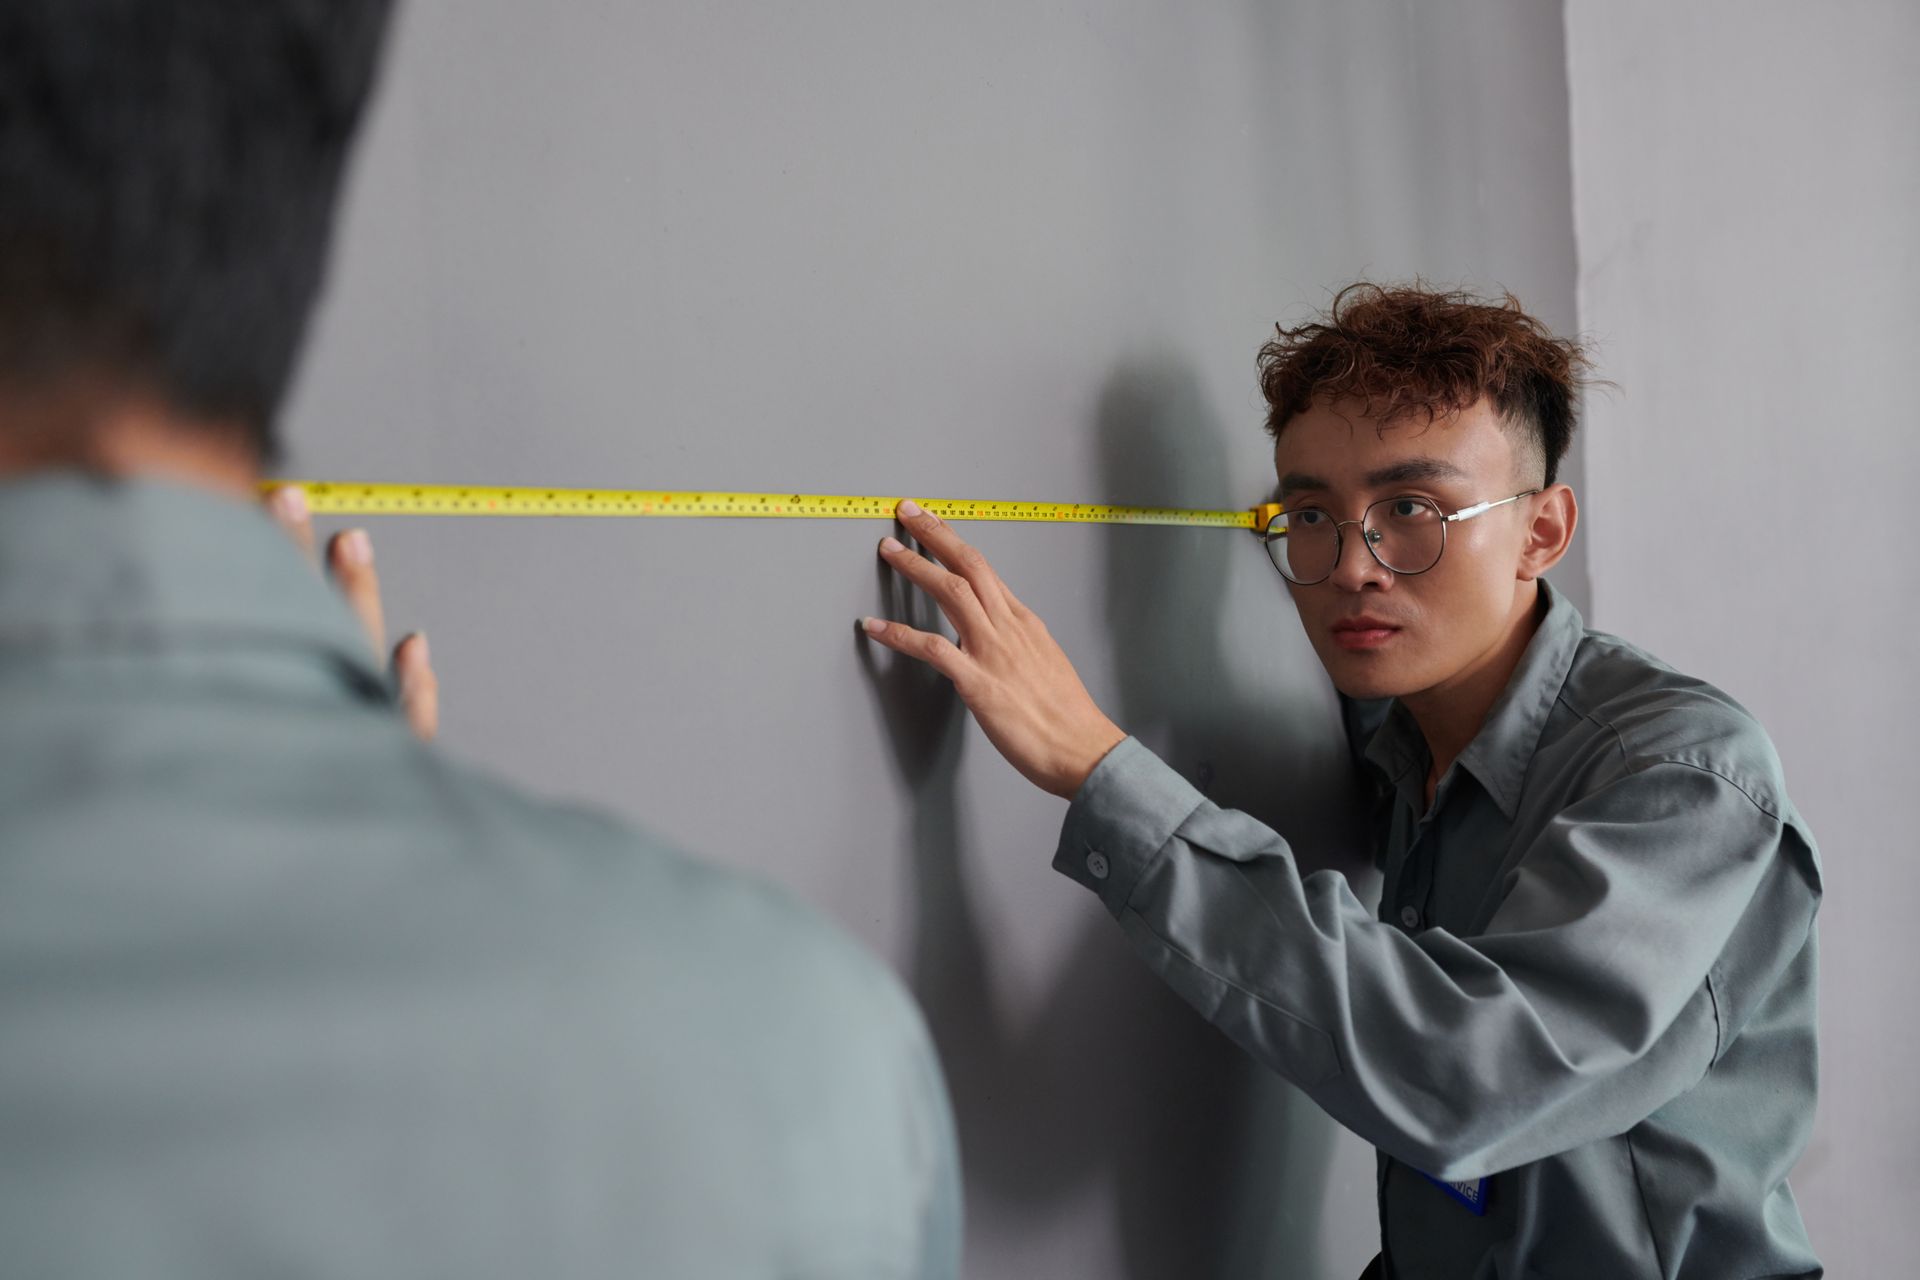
1413	350
168	174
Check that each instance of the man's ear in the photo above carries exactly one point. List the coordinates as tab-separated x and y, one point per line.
1555	513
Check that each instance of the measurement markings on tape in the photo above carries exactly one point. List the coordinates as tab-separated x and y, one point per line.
326	497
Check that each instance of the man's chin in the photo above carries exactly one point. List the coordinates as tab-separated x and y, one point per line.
1357	681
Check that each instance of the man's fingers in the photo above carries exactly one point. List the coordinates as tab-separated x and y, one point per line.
350	558
935	650
419	687
955	595
288	507
350	563
952	551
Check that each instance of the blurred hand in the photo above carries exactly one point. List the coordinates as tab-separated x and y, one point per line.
350	564
1013	677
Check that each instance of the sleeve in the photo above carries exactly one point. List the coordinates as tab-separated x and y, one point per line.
933	1129
1560	1025
908	1186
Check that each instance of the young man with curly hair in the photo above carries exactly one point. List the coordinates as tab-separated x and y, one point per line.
1580	1030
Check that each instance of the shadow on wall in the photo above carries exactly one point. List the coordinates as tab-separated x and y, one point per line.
1217	1164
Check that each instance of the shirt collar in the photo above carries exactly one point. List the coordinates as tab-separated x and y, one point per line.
89	561
1499	754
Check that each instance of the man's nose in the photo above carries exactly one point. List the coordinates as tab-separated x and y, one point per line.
1356	569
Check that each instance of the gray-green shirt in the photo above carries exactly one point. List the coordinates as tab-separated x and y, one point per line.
287	993
1590	982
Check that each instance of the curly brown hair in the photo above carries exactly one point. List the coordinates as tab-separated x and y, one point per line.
1407	349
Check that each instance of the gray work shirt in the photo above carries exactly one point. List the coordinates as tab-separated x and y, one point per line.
1591	980
287	993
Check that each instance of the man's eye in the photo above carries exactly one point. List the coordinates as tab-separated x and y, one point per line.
1307	518
1409	508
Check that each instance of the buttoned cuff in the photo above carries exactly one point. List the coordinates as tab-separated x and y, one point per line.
1121	819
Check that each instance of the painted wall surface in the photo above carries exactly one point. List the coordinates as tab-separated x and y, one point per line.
1746	178
877	246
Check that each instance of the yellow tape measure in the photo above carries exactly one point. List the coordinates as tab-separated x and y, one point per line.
338	498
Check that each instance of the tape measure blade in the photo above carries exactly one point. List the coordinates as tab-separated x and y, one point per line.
398	499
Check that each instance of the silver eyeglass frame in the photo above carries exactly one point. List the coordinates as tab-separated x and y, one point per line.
1369	537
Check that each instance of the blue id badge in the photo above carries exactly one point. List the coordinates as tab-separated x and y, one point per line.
1471	1194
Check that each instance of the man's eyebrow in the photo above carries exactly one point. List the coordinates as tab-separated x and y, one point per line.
1414	471
1406	471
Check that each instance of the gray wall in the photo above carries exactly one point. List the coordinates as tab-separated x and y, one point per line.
1746	183
990	250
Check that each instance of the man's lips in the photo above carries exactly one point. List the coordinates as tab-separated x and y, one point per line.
1364	632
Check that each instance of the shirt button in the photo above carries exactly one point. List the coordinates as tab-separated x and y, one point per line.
1409	917
1097	865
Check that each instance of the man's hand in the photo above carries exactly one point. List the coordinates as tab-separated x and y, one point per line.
1006	668
350	563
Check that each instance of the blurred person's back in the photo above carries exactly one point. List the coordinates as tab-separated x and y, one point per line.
285	990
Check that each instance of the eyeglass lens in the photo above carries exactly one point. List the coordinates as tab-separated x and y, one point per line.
1406	535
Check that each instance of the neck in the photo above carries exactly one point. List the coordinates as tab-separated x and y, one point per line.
1450	714
125	438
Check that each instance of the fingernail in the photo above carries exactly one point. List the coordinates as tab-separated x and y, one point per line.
356	547
872	626
291	502
892	544
420	643
908	508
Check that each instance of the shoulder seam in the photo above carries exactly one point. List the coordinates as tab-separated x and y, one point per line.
1731	781
1771	809
1626	761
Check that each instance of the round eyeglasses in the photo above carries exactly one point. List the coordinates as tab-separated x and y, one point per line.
1405	535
